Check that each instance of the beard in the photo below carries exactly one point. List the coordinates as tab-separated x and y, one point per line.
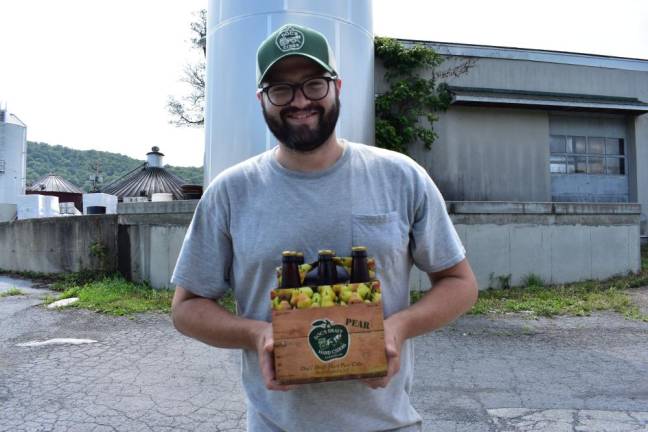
302	138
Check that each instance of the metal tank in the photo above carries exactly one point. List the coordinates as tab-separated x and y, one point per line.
13	157
234	126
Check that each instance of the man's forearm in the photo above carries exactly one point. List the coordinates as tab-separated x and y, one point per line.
450	297
207	321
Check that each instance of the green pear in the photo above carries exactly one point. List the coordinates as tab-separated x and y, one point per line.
327	292
375	298
303	301
327	303
355	298
316	300
306	290
284	305
345	294
363	291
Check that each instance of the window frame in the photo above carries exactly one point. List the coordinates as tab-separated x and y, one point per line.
571	159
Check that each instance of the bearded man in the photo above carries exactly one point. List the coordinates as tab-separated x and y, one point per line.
314	191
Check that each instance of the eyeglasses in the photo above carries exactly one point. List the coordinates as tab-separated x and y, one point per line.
284	93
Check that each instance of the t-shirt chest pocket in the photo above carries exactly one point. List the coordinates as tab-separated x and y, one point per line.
382	234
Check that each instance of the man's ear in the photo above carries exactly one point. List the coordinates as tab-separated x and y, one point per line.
259	95
338	85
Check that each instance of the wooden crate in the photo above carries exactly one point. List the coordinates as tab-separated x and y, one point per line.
329	344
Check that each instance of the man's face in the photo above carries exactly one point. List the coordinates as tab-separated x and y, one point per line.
303	125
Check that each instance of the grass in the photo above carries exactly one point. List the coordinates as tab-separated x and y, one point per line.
577	299
113	295
11	292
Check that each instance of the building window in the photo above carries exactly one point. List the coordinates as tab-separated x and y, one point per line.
586	155
2	167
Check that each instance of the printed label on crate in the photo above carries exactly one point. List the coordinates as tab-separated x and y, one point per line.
329	341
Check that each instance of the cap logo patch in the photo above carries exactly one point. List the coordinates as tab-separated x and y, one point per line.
290	39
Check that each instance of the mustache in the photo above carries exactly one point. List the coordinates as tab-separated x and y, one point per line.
291	110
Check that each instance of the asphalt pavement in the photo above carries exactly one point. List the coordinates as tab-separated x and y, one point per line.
74	370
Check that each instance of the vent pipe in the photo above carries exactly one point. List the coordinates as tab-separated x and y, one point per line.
154	158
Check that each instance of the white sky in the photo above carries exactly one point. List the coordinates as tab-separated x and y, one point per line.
96	75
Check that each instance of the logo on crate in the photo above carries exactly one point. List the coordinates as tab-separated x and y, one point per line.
329	341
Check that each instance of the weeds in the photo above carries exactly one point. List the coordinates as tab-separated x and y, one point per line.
11	292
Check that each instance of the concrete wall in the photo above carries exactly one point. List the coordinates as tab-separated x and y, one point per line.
150	238
59	244
557	241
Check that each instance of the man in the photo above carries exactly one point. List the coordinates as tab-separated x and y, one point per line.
314	191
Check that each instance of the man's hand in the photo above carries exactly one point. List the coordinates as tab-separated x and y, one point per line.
265	348
393	343
454	292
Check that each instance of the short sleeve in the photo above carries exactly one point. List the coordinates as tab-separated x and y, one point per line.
434	243
205	259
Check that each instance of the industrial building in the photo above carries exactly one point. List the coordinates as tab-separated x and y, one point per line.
148	181
543	159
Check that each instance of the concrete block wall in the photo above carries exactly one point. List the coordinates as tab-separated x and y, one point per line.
59	244
560	242
150	238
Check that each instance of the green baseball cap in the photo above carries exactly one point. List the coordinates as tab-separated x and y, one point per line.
293	39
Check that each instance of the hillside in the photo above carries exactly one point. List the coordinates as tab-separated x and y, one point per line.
77	166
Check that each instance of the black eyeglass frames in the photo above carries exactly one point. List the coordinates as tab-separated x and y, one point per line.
314	89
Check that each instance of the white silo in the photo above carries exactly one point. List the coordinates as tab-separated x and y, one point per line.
13	162
234	126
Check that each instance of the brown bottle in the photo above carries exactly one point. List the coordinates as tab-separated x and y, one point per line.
359	266
326	269
290	270
300	257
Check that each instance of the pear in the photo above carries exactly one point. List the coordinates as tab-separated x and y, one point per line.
327	303
375	298
363	291
276	302
303	301
306	290
327	292
316	300
283	305
345	294
355	298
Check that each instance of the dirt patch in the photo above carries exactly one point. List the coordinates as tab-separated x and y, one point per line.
640	297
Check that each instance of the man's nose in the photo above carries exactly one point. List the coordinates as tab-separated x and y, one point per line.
300	100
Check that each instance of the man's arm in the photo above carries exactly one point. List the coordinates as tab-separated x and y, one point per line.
204	319
453	293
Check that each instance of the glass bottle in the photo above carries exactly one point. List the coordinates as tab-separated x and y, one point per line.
359	266
290	270
326	269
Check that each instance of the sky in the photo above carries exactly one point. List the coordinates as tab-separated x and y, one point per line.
97	75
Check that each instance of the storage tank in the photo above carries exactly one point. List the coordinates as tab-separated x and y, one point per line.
13	157
234	125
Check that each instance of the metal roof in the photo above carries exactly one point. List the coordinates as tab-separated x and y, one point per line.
53	183
146	180
531	54
535	99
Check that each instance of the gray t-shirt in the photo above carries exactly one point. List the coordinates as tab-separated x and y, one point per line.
253	211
